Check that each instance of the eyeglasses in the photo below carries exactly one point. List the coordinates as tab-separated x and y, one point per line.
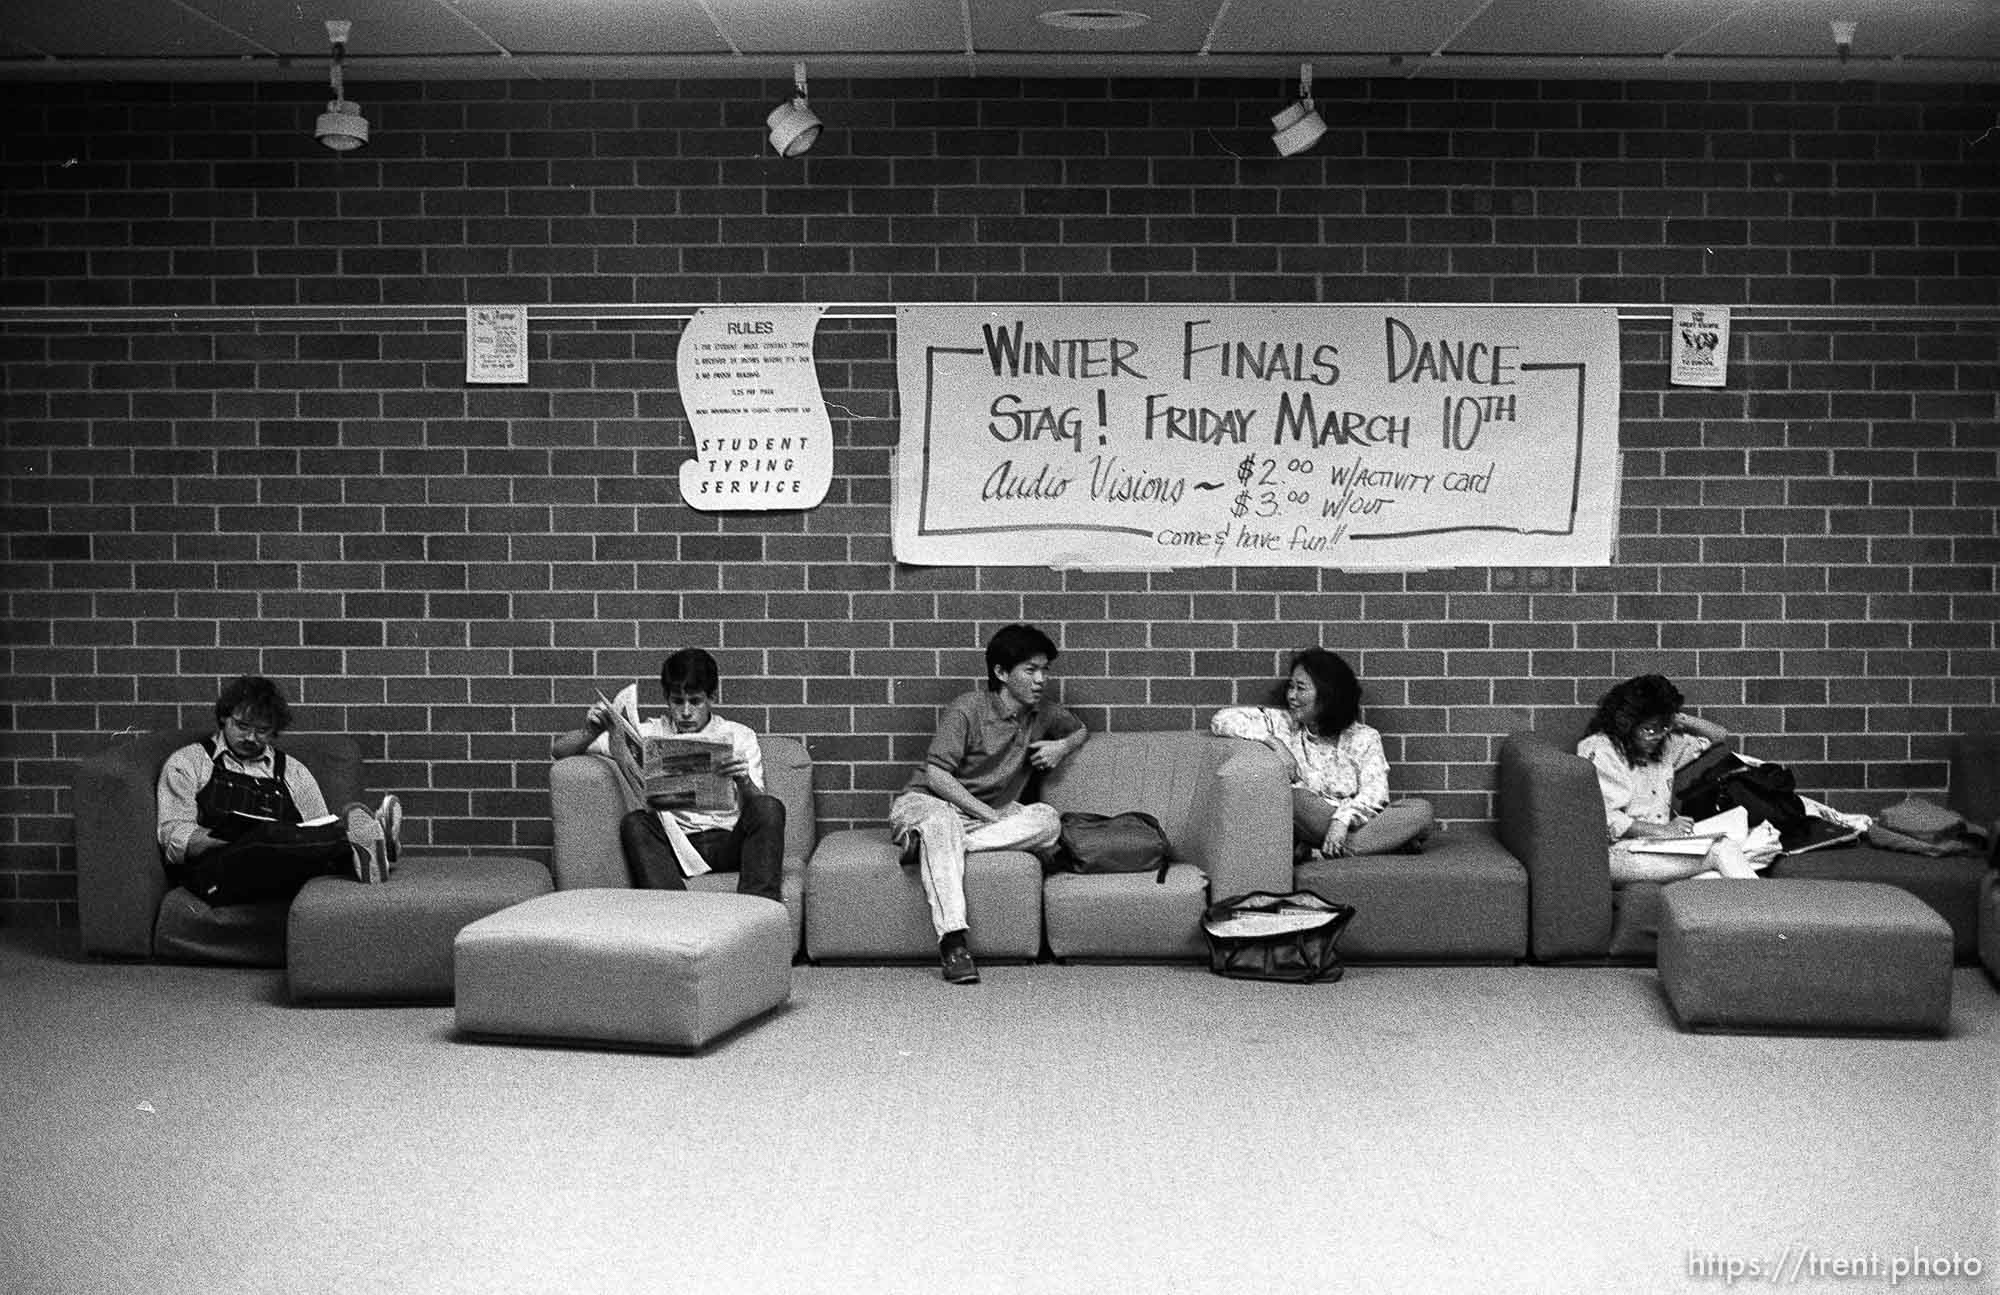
262	732
1654	728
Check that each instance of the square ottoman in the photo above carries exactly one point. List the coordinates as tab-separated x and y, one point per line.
654	968
1804	955
392	942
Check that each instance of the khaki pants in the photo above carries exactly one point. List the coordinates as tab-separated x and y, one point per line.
1401	823
948	836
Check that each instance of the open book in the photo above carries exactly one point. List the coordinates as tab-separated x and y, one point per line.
679	769
320	821
1732	822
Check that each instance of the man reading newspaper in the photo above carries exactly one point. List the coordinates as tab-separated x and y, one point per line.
701	776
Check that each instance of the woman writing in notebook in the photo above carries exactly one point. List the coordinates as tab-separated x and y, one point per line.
1636	741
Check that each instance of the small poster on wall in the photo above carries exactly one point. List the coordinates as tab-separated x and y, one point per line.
762	439
1178	436
1701	346
496	344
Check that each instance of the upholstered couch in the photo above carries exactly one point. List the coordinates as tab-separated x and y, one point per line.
1223	804
587	798
338	940
1551	817
125	906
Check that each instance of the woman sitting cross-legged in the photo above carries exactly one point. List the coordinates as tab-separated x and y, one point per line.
1637	739
1340	778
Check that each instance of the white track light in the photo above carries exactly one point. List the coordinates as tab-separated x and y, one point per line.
341	127
1299	126
794	128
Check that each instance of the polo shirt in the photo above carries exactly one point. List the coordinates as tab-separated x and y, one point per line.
986	749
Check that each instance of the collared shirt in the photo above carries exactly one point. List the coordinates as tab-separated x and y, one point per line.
983	746
188	770
1641	793
742	741
1349	772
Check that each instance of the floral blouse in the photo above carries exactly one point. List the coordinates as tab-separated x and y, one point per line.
1348	772
1638	793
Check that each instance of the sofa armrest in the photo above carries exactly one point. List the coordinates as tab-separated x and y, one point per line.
1243	822
1974	790
788	775
1550	816
119	877
587	798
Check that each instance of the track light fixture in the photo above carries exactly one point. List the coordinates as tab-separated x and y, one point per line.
1299	126
794	128
341	127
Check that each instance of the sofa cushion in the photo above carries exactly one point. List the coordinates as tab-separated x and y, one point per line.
862	903
1126	915
1949	884
1465	898
187	929
1635	922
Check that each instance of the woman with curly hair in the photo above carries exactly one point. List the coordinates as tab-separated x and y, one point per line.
1340	778
1636	741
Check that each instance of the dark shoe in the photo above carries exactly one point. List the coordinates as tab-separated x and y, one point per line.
959	967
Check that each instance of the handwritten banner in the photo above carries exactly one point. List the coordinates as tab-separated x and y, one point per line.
762	440
1338	436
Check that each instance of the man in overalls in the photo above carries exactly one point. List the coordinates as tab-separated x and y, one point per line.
242	824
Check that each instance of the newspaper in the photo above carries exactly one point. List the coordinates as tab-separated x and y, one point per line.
679	770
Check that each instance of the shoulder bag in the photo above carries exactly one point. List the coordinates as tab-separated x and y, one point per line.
1267	936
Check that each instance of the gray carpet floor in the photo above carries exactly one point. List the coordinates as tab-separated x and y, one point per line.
1058	1129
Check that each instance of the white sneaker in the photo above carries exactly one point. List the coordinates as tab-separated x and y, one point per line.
389	816
364	834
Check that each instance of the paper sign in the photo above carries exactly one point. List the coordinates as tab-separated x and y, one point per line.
761	435
1701	346
496	344
1172	436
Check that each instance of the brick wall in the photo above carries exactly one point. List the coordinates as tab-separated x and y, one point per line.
451	571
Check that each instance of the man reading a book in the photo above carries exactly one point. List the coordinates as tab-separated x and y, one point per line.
967	794
678	763
239	823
